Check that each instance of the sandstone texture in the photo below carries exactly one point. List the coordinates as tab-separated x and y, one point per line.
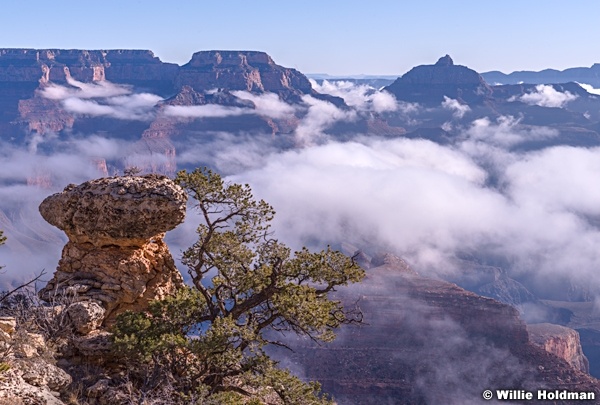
561	341
115	259
30	376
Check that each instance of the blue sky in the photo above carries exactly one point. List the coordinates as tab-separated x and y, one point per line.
335	37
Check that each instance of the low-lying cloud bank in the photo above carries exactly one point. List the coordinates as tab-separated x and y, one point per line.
546	96
537	211
102	99
362	97
431	203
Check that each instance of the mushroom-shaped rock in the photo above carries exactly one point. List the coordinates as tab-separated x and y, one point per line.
115	256
117	210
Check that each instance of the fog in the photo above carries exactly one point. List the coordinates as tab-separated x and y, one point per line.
102	99
537	210
546	96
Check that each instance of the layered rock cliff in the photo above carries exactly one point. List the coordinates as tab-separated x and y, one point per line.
234	70
45	93
429	342
561	341
136	67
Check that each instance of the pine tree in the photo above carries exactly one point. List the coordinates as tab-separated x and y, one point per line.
248	289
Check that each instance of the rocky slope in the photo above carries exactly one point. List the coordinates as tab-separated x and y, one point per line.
426	341
30	376
250	71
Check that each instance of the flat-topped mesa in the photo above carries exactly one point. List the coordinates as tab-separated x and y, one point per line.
115	259
242	70
134	67
230	58
23	56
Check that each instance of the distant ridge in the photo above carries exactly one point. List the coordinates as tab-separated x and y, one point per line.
586	75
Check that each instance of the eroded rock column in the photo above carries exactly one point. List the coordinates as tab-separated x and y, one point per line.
115	259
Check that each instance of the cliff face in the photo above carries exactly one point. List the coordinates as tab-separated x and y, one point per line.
48	92
429	342
23	72
137	67
250	71
48	95
561	341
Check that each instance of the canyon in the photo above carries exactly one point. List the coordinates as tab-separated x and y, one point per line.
424	335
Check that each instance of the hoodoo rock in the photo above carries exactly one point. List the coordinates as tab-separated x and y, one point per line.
115	259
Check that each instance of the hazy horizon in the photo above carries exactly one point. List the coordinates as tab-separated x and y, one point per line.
337	38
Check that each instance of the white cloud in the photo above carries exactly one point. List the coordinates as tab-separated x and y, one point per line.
590	89
267	104
100	89
320	116
546	96
538	210
458	110
361	97
226	152
562	175
507	131
429	203
102	99
205	111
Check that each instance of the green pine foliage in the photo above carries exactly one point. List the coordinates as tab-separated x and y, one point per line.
209	339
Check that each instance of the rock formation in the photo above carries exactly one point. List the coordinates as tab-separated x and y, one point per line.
115	259
428	84
29	376
561	341
245	70
136	67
